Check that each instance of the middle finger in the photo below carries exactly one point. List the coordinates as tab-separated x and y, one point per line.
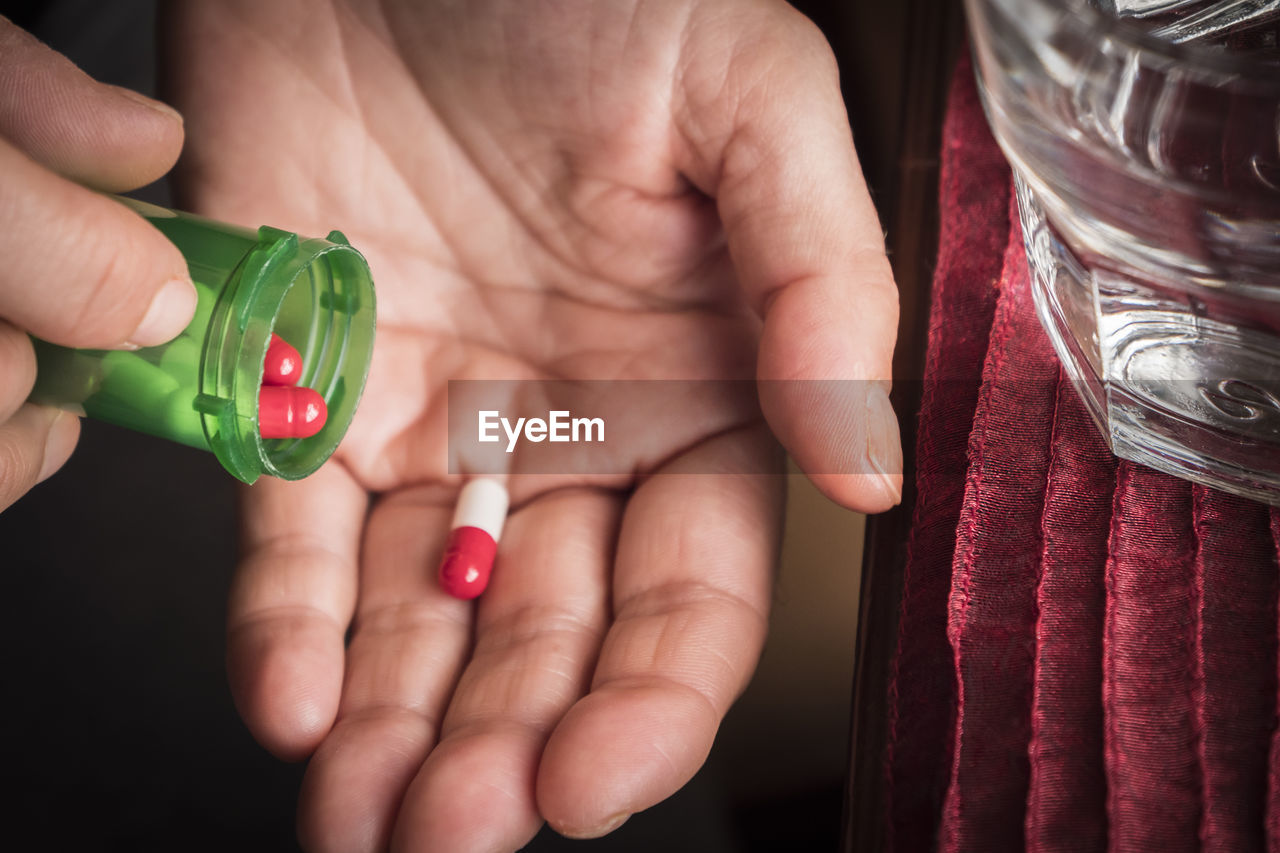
408	642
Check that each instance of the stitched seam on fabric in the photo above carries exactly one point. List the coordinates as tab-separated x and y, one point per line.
924	444
1197	657
967	234
952	244
1113	760
1034	748
969	515
1272	805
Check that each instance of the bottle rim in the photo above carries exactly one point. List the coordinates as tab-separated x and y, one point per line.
244	320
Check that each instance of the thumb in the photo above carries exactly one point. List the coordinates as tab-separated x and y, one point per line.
772	144
81	269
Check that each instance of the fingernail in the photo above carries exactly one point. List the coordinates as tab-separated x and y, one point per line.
601	829
159	106
171	310
884	441
58	444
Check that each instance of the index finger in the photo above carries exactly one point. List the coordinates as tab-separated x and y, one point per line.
291	601
774	148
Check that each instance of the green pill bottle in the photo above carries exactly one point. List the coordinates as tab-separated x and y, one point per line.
201	389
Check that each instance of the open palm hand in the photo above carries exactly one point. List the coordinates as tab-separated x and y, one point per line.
544	190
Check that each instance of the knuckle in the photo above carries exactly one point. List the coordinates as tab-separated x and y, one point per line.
17	469
808	41
110	302
100	317
799	45
17	368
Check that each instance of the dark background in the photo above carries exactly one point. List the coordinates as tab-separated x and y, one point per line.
119	731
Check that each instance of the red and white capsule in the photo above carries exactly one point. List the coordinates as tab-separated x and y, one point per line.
473	538
288	412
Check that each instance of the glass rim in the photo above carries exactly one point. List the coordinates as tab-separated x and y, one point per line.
1094	20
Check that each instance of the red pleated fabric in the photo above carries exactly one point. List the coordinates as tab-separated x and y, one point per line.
1148	666
1066	797
1087	651
1236	654
970	257
992	611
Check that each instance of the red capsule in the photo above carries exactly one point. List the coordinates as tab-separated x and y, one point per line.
477	525
286	412
467	562
282	364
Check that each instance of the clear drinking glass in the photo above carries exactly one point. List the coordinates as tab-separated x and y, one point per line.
1145	141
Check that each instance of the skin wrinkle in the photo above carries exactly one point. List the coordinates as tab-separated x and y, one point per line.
673	766
633	365
529	219
550	371
352	107
17	353
270	46
358	106
405	617
490	290
389	682
708	177
58	114
594	83
355	110
662	683
389	693
114	244
484	292
515	704
534	216
676	627
99	292
283	616
515	793
296	543
16	466
506	689
684	600
534	622
646	471
670	651
414	714
742	127
436	322
590	195
602	225
559	674
557	201
237	616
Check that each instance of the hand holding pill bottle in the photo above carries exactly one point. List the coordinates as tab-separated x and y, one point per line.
79	269
267	374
